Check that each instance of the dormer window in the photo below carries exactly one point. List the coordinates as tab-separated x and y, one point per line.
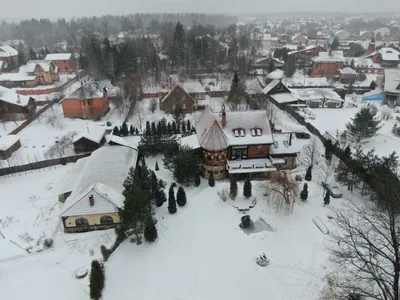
239	132
253	132
256	132
276	145
236	132
242	132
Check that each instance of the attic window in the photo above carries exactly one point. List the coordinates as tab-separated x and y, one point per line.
239	132
276	145
236	132
253	132
286	144
242	132
258	130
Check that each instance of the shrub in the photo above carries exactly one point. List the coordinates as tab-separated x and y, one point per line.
157	168
211	181
48	242
197	180
150	231
304	193
171	200
181	197
96	280
308	176
105	252
233	189
247	188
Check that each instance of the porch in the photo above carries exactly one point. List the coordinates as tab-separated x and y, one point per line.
250	168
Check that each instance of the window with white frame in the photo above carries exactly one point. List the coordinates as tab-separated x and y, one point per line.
242	133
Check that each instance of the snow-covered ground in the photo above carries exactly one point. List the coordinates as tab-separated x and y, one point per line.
201	252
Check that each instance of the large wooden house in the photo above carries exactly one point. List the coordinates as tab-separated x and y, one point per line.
241	144
178	96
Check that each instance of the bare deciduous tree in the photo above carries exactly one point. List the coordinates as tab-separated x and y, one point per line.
61	147
367	246
312	152
272	112
53	118
153	105
282	191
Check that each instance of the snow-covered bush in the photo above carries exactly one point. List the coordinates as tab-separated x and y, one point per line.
48	242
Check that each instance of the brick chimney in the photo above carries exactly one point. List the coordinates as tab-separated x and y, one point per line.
91	200
223	114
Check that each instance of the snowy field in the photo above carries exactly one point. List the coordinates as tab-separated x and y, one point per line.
201	252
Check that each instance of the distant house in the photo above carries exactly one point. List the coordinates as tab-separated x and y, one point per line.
392	87
327	63
24	80
90	141
178	96
347	75
266	62
316	98
15	107
45	70
365	64
304	56
300	39
9	144
195	89
64	61
386	57
8	53
342	34
90	101
92	189
268	42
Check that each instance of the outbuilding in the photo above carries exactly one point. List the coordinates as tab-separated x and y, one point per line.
9	144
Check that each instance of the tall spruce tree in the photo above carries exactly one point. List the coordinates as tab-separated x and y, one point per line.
308	176
290	66
365	123
116	131
304	193
150	231
157	167
21	54
96	280
131	130
236	92
247	188
178	47
188	126
181	197
124	129
148	127
233	189
328	150
197	179
211	180
171	200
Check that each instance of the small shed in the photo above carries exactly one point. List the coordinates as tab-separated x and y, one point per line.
90	141
9	144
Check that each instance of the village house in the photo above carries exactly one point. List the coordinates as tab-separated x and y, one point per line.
195	89
268	42
9	144
386	57
11	80
347	75
266	63
15	107
365	65
240	144
327	63
45	70
342	34
90	141
304	56
300	39
319	97
7	54
177	96
92	189
90	101
392	87
65	62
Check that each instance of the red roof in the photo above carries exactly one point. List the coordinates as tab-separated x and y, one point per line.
209	132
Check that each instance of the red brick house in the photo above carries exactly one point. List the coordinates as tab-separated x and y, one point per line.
8	53
242	144
178	96
327	63
90	101
304	56
15	107
65	62
45	70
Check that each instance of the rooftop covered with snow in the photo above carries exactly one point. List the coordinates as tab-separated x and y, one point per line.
347	71
88	91
285	143
44	64
58	56
7	51
193	87
94	134
16	77
317	94
6	142
285	98
330	57
10	96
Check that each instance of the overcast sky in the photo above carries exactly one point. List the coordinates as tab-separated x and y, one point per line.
20	9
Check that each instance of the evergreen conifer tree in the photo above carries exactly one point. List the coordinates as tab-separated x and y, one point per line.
156	167
174	130
233	189
365	124
347	152
181	197
328	150
188	126
372	86
153	128
148	127
183	126
290	66
308	176
154	184
211	181
197	179
96	280
160	197
21	54
131	130
169	128
171	200
247	188
327	198
137	131
150	231
304	193
124	129
116	131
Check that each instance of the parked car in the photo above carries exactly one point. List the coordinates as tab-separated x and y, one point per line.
333	189
302	135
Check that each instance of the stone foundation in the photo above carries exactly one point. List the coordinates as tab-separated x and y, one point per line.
219	172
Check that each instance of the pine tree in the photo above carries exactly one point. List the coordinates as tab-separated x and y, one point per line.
181	197
197	180
131	130
171	200
148	128
372	86
124	129
233	189
169	128
137	131
188	126
365	123
153	128
308	176
32	54
211	181
347	152
156	167
160	197
328	150
154	184
96	280
21	54
236	92
183	126
116	131
247	188
150	231
174	127
304	193
327	198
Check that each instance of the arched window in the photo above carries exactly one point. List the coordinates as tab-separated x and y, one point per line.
106	220
81	222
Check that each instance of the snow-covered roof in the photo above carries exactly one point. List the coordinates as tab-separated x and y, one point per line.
209	132
10	96
307	48
241	128
270	86
7	51
277	74
177	85
191	141
16	77
363	62
285	143
347	71
110	138
94	134
284	98
326	56
389	54
193	87
58	56
298	35
44	64
8	141
269	37
70	179
108	166
317	94
392	80
88	91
